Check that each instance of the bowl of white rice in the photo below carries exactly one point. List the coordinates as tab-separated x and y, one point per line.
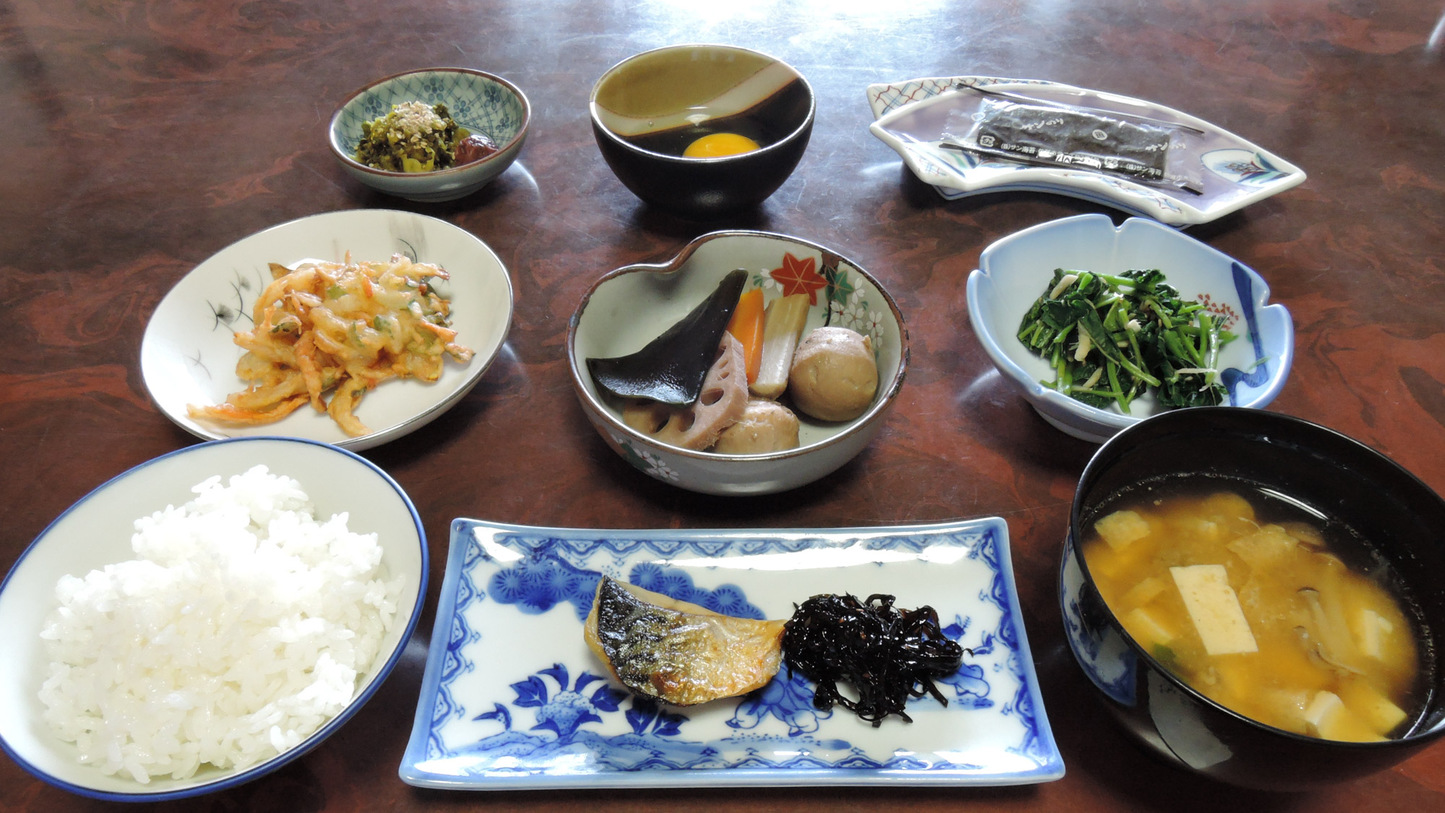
206	617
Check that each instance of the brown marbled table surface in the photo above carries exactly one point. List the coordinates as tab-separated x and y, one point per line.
142	137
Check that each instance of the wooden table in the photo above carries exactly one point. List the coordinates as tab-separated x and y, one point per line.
140	138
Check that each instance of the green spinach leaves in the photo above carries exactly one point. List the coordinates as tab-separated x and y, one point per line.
1112	338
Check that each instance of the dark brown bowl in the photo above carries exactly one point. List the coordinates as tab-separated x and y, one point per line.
646	109
1358	486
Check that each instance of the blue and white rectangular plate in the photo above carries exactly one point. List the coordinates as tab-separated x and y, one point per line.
512	697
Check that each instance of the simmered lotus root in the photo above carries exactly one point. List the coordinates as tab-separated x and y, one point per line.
766	426
834	375
722	402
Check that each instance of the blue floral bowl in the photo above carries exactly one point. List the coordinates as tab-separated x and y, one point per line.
480	102
1012	274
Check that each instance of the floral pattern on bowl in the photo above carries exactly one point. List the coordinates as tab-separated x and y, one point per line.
910	116
513	698
1105	657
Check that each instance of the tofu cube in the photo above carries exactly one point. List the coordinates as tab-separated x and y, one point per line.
1369	637
1146	628
1144	592
1214	609
1122	528
1327	716
1371	706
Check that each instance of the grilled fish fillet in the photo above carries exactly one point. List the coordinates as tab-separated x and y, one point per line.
678	652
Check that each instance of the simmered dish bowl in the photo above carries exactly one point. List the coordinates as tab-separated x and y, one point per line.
1019	270
702	130
319	574
631	307
1254	597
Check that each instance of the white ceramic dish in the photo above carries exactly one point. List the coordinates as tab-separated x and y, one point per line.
96	531
188	356
911	118
513	698
480	102
1012	274
631	306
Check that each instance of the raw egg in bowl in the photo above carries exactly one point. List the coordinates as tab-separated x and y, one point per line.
702	130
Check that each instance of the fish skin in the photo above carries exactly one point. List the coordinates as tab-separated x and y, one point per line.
678	652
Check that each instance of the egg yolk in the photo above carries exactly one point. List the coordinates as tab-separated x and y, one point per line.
716	145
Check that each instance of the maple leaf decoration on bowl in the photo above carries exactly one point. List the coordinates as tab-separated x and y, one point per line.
800	277
846	306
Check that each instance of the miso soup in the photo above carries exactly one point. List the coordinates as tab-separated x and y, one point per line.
1263	605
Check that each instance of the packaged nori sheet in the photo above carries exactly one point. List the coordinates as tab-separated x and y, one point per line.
1073	137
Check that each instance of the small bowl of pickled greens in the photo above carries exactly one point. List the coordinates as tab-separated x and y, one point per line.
1102	326
749	363
430	135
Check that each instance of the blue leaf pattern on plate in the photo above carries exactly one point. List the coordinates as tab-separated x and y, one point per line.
512	698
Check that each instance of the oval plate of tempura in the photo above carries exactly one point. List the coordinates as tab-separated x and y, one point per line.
189	353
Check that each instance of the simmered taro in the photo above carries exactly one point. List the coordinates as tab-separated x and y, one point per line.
765	426
671	368
834	374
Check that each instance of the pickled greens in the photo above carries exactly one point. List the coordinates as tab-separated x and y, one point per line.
413	137
1110	339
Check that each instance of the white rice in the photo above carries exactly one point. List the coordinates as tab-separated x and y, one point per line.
238	630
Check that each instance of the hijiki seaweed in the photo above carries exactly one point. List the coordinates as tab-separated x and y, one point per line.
888	655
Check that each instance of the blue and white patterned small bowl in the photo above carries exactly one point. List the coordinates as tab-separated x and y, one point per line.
1012	274
479	101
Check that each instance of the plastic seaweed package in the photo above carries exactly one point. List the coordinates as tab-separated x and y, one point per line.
1015	127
